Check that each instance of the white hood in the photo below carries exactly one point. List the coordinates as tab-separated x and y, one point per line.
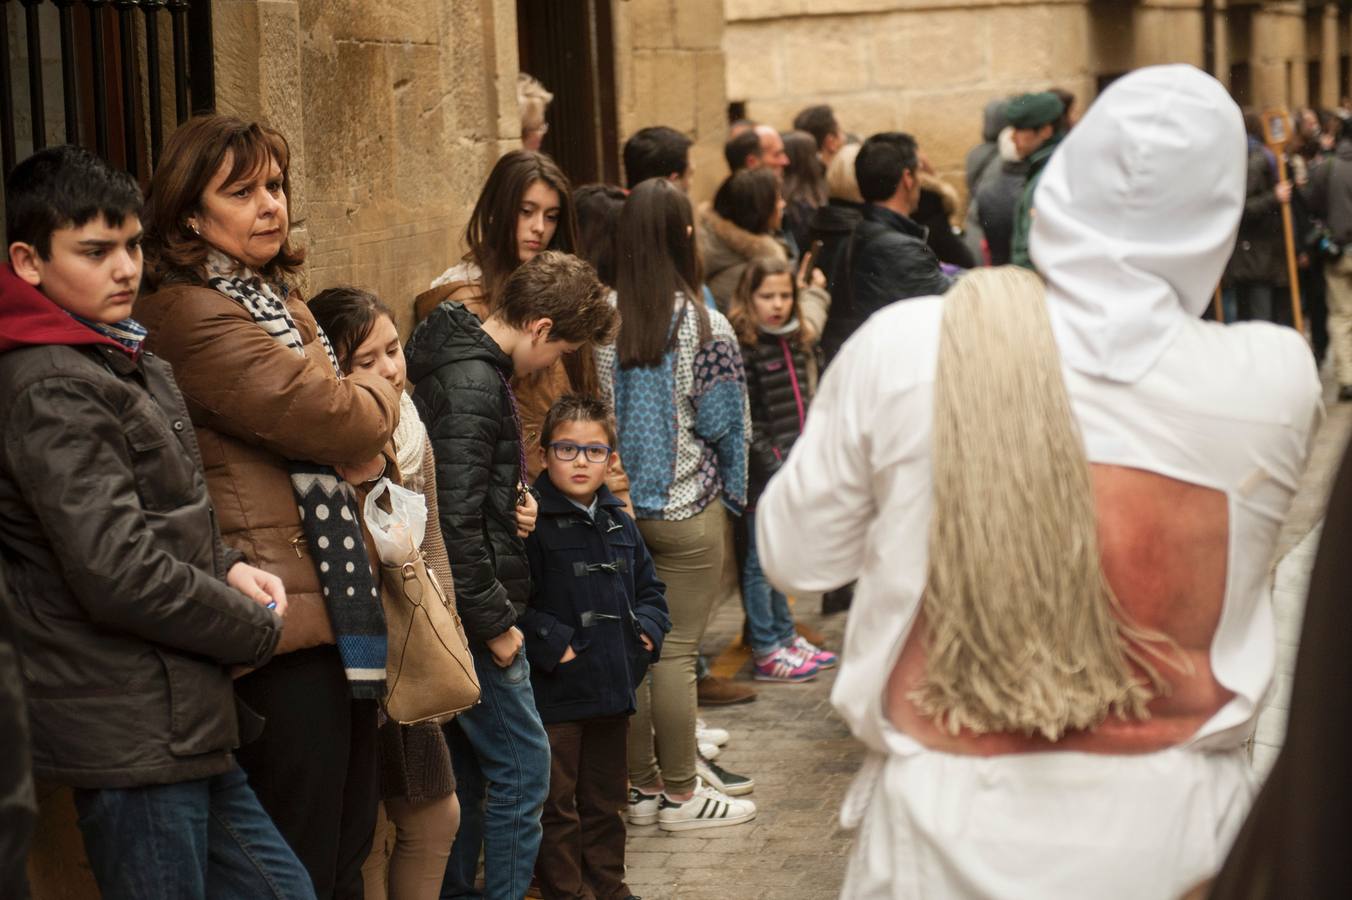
1136	217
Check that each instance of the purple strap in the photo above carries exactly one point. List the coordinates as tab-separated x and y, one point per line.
520	432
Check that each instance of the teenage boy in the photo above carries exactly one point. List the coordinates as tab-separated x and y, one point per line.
549	306
127	607
595	622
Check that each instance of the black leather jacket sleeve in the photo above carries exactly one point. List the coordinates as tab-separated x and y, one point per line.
68	441
463	421
896	268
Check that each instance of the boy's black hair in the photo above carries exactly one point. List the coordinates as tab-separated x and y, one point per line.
574	408
656	152
881	161
64	187
736	150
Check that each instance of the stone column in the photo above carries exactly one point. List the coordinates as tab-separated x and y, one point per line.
1330	56
1221	36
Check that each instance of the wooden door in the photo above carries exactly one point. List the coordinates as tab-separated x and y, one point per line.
569	46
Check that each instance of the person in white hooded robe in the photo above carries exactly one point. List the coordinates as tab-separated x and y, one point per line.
1192	437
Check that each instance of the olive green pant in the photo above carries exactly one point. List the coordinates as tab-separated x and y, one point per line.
689	556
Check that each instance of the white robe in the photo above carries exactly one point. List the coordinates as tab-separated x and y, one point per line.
1229	408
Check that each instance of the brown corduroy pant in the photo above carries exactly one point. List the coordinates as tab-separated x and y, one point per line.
582	850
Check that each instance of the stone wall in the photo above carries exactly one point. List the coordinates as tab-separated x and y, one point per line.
395	112
924	67
929	67
669	71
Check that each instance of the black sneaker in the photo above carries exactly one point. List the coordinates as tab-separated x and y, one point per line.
720	778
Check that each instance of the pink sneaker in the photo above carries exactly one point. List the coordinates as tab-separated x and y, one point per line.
824	659
787	666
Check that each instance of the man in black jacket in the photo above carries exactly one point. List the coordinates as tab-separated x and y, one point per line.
549	306
884	258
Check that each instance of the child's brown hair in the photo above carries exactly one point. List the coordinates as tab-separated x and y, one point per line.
564	289
742	308
574	408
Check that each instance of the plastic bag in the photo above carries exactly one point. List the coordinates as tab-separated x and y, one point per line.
399	532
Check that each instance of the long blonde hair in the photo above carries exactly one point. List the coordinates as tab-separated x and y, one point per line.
1023	632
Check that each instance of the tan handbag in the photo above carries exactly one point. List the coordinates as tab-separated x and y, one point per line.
429	673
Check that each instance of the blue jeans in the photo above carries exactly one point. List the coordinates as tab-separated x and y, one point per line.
194	839
501	757
768	619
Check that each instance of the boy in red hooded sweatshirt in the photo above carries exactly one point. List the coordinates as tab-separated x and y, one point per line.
128	610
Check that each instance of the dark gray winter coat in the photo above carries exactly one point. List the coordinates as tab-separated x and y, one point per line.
1329	193
115	568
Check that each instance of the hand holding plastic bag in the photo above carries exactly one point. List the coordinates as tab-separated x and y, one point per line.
398	532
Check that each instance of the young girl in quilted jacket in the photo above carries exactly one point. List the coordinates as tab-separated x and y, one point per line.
417	781
781	358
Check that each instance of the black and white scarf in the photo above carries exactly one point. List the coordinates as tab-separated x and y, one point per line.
328	504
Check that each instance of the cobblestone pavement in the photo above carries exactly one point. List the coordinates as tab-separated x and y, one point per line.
1292	577
802	758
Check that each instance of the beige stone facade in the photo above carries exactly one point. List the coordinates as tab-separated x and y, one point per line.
397	110
930	67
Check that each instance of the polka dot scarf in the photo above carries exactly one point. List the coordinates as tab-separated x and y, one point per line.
328	510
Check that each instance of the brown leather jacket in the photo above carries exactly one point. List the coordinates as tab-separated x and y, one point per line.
255	404
535	394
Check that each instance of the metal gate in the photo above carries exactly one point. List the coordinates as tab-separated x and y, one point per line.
91	72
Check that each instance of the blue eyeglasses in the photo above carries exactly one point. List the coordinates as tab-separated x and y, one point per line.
567	451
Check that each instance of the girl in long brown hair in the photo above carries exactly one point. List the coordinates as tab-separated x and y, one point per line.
675	380
417	780
525	207
781	358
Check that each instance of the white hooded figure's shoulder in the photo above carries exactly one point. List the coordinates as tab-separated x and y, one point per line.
900	342
1257	370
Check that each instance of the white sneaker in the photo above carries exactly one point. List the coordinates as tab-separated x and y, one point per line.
643	807
708	808
709	751
707	735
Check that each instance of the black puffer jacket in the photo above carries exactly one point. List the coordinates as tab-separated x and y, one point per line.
458	373
884	258
115	569
777	380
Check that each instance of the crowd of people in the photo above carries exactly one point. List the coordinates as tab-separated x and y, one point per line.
603	409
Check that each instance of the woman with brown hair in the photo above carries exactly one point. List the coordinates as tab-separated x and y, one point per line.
739	226
674	377
277	425
804	185
526	207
